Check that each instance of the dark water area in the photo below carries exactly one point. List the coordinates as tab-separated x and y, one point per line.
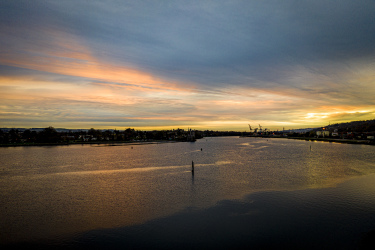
304	219
246	193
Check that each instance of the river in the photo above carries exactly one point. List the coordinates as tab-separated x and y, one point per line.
244	193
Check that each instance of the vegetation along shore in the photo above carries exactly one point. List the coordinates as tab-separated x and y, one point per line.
357	132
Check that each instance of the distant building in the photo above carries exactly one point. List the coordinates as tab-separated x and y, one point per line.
322	133
335	133
191	135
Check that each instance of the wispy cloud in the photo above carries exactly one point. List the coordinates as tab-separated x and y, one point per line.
207	64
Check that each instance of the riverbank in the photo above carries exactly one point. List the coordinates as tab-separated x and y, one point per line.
336	140
116	143
104	143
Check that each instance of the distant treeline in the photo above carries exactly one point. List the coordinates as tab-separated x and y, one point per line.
51	135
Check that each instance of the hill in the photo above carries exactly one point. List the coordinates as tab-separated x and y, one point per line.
354	126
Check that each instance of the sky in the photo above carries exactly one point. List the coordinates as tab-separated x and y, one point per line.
217	65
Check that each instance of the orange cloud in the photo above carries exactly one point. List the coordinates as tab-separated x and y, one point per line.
66	54
122	92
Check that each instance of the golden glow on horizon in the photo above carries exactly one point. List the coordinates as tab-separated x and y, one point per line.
110	94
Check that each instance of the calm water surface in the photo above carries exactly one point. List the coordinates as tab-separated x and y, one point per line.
245	192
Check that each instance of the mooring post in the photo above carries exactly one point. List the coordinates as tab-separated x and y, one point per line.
310	147
192	167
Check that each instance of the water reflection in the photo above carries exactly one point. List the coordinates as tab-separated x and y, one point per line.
304	219
50	192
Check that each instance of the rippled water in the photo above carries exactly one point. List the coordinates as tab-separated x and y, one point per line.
244	191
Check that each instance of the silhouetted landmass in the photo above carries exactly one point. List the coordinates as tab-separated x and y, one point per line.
355	126
356	132
359	130
51	135
347	130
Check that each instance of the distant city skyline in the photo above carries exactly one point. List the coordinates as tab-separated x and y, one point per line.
217	65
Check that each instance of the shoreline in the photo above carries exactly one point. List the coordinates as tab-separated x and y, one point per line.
115	143
336	140
108	143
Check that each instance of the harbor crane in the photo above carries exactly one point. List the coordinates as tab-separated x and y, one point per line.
250	128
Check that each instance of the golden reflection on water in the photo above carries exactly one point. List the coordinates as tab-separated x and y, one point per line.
59	191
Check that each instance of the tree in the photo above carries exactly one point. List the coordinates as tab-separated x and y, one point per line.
14	136
95	133
4	137
312	134
49	135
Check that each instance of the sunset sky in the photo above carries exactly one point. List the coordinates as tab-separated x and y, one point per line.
217	65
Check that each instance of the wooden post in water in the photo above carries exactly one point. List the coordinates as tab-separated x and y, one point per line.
192	167
310	147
